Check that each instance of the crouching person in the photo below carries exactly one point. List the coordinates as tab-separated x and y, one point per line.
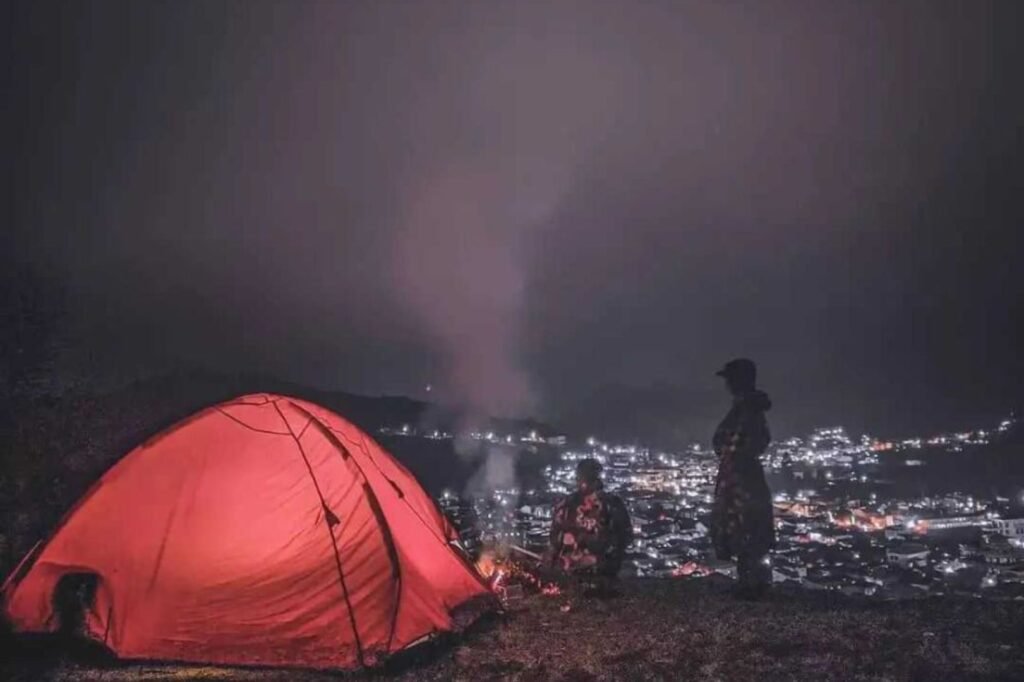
590	531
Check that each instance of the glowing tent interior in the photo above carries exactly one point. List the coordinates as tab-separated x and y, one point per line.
261	531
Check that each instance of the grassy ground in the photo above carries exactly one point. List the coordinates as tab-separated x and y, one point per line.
675	630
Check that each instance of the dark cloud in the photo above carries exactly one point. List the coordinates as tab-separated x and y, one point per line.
521	202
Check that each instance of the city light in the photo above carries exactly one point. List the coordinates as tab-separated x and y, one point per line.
836	531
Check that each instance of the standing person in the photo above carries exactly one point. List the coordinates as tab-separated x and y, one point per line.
590	531
741	518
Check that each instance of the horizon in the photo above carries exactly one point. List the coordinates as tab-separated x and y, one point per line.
273	384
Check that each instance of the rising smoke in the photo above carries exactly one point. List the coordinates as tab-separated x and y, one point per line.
460	262
475	213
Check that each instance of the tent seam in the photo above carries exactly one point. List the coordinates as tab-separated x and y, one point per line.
253	428
444	541
334	541
382	521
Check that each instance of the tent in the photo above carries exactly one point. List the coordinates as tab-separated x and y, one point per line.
262	531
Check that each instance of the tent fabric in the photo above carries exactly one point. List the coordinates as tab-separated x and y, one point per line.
261	531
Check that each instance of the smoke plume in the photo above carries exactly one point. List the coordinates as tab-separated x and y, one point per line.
503	153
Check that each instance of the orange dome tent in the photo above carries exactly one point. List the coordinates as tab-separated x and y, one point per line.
262	531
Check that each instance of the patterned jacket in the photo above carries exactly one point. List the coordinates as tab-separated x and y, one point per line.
590	533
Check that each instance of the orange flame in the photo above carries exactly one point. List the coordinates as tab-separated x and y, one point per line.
486	566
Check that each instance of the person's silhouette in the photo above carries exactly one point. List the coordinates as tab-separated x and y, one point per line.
741	519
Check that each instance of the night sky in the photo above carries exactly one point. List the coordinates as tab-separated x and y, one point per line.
521	203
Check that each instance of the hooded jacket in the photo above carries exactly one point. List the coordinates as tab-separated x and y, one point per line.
741	519
745	428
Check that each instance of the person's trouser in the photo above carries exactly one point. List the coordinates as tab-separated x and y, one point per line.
597	581
753	570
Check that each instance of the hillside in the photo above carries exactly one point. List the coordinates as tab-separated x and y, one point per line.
671	630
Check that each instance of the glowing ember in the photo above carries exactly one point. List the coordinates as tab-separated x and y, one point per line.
502	571
690	568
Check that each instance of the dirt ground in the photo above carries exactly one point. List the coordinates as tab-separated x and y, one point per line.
663	630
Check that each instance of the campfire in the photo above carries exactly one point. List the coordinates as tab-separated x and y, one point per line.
492	569
510	571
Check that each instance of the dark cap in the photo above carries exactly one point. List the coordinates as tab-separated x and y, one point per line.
588	470
741	369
